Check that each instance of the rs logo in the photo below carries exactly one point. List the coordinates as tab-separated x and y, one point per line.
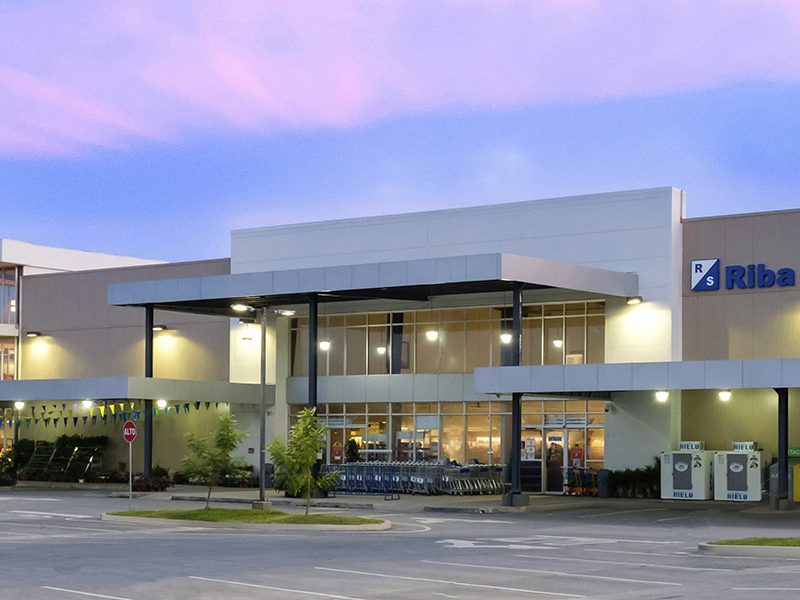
705	275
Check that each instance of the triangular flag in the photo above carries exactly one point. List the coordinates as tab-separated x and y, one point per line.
197	405
112	408
66	419
208	405
74	421
94	420
102	410
85	418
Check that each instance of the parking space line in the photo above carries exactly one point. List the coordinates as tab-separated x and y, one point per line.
620	512
273	588
616	562
47	587
29	499
765	589
676	554
50	514
673	519
559	573
448	582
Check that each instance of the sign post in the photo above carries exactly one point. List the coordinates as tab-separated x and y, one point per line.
129	434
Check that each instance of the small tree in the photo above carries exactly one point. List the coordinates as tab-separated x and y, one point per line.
295	462
211	462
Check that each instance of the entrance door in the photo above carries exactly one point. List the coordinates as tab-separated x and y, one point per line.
554	461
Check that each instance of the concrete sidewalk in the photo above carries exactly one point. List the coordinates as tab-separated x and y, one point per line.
408	503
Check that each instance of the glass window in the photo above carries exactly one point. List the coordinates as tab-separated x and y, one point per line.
574	328
532	342
478	438
478	345
452	347
427	349
554	341
379	360
7	359
356	351
595	339
8	295
452	407
453	438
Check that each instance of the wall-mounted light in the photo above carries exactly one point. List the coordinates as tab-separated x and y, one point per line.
506	337
725	395
159	327
633	300
161	404
325	345
662	396
242	308
19	405
558	343
284	312
33	334
432	335
87	404
381	350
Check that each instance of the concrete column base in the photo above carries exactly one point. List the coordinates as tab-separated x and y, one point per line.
512	499
259	505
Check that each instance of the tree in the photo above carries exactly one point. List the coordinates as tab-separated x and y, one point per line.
295	462
211	462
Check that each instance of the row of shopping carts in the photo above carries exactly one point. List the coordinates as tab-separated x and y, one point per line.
393	478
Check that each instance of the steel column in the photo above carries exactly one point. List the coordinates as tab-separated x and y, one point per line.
783	441
313	314
515	460
262	430
148	403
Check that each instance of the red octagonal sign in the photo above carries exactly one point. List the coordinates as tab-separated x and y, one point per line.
129	431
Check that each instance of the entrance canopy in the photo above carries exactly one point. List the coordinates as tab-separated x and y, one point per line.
398	280
685	375
132	388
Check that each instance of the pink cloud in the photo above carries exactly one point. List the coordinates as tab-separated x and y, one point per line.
78	75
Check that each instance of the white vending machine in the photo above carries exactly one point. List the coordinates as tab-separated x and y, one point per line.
686	472
739	475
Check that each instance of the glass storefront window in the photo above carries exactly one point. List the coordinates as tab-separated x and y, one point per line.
452	340
453	438
8	295
7	359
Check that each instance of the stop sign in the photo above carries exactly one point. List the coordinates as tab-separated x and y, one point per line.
129	431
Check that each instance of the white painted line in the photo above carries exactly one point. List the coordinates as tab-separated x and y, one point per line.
27	499
448	582
672	519
620	512
765	589
49	514
434	520
277	589
577	540
47	587
616	562
675	554
443	595
572	575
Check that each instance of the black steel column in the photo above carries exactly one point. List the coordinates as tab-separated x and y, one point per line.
312	350
148	403
515	497
516	399
783	441
262	414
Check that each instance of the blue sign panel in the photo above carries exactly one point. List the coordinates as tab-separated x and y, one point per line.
705	275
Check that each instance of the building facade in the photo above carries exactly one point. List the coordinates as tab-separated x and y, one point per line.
423	337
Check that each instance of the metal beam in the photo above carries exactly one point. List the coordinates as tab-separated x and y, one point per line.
514	497
262	421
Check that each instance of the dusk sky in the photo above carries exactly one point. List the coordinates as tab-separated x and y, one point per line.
153	129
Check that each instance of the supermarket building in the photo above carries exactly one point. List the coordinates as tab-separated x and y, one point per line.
440	335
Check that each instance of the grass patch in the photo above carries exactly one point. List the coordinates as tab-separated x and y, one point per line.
760	541
235	515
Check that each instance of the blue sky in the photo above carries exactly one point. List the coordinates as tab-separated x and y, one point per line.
144	174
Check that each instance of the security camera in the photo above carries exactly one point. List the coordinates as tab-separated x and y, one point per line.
608	407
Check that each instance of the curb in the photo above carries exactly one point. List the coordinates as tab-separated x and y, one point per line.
280	502
382	526
750	551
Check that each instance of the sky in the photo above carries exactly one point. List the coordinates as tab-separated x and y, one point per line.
153	128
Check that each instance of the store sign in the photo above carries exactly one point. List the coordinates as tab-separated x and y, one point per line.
707	276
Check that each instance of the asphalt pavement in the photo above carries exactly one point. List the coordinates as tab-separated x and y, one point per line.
56	547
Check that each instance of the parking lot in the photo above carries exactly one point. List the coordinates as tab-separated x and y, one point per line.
56	547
